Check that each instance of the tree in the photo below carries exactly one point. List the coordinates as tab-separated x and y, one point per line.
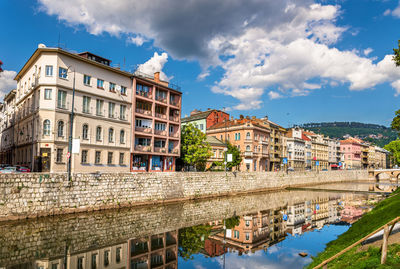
396	56
195	149
232	222
236	158
394	148
191	240
396	122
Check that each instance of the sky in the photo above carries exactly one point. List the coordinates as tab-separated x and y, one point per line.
293	61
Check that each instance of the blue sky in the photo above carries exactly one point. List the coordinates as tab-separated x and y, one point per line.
306	62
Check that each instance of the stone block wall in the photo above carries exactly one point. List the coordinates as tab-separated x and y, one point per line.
35	194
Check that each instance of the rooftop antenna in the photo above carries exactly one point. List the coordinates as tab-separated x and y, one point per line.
123	67
59	37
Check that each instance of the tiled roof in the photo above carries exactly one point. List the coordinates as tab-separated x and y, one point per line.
304	137
197	116
237	122
215	141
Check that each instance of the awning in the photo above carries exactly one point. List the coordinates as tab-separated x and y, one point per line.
334	165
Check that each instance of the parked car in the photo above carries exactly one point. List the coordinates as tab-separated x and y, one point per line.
23	169
8	169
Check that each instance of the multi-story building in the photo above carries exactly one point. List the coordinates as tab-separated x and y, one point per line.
205	119
381	158
319	148
7	120
277	145
351	149
156	134
218	149
250	136
43	104
335	155
296	149
365	162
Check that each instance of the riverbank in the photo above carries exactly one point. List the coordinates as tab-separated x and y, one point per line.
35	194
384	212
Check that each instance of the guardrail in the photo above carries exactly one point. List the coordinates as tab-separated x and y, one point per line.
386	234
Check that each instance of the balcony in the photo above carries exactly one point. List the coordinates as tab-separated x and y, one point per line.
160	150
142	148
174	134
174	101
161	116
144	94
174	118
173	151
248	154
143	112
161	99
143	130
160	132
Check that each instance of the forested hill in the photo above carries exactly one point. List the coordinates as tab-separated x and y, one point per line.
377	134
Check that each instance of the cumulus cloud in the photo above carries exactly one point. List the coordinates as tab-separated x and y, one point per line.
260	44
7	82
395	12
155	64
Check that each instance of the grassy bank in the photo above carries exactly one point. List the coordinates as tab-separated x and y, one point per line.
384	212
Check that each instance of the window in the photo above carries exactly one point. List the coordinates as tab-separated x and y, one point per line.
160	126
142	141
111	108
49	70
99	107
97	157
247	148
248	135
94	261
84	156
118	255
247	236
112	87
201	126
100	83
79	264
121	158
143	90
171	129
111	135
247	223
59	156
98	133
60	129
62	99
46	127
106	258
62	72
85	131
123	90
86	104
122	137
86	80
110	158
122	111
159	143
236	234
54	266
47	94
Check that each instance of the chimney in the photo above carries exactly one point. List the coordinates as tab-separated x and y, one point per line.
157	77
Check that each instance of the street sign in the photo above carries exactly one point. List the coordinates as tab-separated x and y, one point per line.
340	164
284	217
317	163
229	157
284	161
68	155
317	207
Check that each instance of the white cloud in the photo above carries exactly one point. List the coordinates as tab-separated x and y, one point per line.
7	82
155	64
260	45
395	12
203	75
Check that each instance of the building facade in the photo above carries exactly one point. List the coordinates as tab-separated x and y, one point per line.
205	119
296	148
351	149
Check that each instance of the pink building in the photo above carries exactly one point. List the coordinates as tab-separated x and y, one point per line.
351	213
351	149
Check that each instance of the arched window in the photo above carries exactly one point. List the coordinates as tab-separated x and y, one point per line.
60	129
46	127
98	133
122	137
111	135
248	135
247	148
85	131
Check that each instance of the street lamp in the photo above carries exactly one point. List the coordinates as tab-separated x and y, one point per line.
69	155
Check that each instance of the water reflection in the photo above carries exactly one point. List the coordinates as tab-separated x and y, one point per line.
234	232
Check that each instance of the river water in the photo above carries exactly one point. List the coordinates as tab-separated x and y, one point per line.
266	230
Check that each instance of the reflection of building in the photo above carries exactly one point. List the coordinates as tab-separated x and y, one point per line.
295	218
112	257
213	248
351	213
154	251
320	209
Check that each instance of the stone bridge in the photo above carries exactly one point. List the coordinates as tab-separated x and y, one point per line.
385	179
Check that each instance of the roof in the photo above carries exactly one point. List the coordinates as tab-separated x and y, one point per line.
198	116
215	141
349	141
237	122
304	137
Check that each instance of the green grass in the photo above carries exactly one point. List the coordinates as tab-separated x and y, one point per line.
384	212
370	258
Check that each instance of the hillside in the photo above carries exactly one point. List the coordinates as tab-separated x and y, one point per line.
377	134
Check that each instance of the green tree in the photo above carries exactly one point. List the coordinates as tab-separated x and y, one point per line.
396	122
396	56
394	148
191	240
236	158
195	149
232	222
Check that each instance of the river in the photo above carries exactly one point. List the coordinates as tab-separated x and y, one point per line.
264	230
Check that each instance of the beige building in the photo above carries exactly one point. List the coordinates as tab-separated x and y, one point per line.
296	147
43	103
7	120
320	151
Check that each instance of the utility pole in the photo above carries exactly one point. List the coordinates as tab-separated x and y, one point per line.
226	152
69	156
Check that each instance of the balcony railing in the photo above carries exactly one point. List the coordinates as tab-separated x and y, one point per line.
174	102
161	116
248	154
173	151
161	99
160	150
174	118
143	111
143	148
143	130
160	132
174	134
144	94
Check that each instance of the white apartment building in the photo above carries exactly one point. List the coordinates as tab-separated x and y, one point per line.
296	149
43	103
335	156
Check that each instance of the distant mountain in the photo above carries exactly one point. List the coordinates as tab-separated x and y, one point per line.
377	134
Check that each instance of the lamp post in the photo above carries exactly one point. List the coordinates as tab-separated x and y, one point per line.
226	152
69	156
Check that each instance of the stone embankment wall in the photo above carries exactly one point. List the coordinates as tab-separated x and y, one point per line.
24	241
35	194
